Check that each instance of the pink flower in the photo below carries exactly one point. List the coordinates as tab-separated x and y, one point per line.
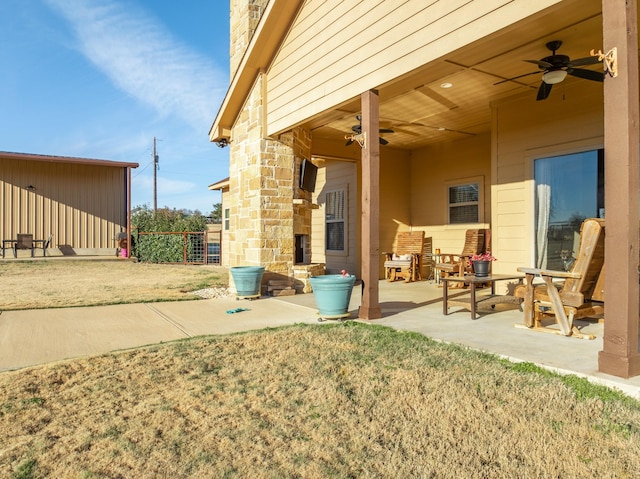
484	257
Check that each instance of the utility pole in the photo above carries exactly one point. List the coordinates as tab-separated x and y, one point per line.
155	177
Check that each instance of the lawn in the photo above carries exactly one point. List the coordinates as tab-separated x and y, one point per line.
56	283
307	401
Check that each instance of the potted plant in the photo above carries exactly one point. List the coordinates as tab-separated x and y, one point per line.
333	293
247	281
481	263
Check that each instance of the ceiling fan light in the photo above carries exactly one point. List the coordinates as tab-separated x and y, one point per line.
554	76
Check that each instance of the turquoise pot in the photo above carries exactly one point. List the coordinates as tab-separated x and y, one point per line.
332	293
247	280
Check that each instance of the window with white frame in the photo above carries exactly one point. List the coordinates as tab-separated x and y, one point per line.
464	201
336	221
226	219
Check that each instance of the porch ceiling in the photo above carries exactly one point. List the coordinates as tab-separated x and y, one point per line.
421	112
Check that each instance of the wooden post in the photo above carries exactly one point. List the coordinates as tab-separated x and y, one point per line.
370	253
619	356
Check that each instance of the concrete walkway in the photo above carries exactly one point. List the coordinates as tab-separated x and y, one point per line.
33	337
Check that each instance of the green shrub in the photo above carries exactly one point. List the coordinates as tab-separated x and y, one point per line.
163	248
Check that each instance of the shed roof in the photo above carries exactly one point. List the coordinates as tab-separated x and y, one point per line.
6	155
220	185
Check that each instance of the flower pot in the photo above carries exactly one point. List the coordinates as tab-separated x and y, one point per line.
481	268
247	280
332	293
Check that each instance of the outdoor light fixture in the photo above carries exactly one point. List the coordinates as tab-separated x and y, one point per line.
554	76
446	85
31	188
222	142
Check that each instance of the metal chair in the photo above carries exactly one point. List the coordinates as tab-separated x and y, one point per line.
25	241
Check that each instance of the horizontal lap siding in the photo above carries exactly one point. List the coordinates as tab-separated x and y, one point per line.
334	175
335	50
433	169
569	120
83	206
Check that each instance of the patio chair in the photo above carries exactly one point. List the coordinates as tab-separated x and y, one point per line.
406	261
476	241
581	295
25	241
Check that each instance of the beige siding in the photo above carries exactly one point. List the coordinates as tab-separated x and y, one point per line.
570	120
328	59
334	175
395	199
432	170
83	206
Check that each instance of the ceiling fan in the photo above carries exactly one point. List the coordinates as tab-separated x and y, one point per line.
357	130
556	67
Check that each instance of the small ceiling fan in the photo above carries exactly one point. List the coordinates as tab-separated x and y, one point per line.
556	67
357	130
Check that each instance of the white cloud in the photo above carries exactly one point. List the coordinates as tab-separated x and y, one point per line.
141	57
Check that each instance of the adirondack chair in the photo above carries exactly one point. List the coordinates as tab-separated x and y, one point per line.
406	261
476	241
580	296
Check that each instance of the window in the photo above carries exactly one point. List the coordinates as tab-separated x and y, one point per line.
335	221
226	219
568	189
464	202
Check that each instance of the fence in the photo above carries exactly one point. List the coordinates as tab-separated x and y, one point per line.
186	247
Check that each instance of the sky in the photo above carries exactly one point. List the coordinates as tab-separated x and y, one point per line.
101	78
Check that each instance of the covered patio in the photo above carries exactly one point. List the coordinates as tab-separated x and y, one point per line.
435	99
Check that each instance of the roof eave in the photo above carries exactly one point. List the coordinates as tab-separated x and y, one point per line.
269	34
7	155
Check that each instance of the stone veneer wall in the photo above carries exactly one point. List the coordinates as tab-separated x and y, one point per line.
263	182
245	15
264	173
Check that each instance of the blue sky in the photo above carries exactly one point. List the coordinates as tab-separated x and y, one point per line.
101	78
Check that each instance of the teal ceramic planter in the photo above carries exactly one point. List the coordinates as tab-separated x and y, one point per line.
332	293
247	280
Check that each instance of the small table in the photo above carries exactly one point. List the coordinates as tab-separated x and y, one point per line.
473	302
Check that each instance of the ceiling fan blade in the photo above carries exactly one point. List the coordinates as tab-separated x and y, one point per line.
586	74
386	130
383	141
348	142
515	78
583	61
540	63
543	91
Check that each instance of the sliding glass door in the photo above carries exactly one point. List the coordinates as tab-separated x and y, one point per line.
568	189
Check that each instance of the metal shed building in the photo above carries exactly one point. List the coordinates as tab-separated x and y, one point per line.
84	203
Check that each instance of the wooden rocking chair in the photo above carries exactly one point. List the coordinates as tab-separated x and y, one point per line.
475	242
406	260
580	296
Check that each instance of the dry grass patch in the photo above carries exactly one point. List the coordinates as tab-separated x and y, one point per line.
345	400
53	284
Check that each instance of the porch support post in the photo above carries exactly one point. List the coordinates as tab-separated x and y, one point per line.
620	356
370	201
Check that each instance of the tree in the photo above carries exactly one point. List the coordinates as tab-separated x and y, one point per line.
216	214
